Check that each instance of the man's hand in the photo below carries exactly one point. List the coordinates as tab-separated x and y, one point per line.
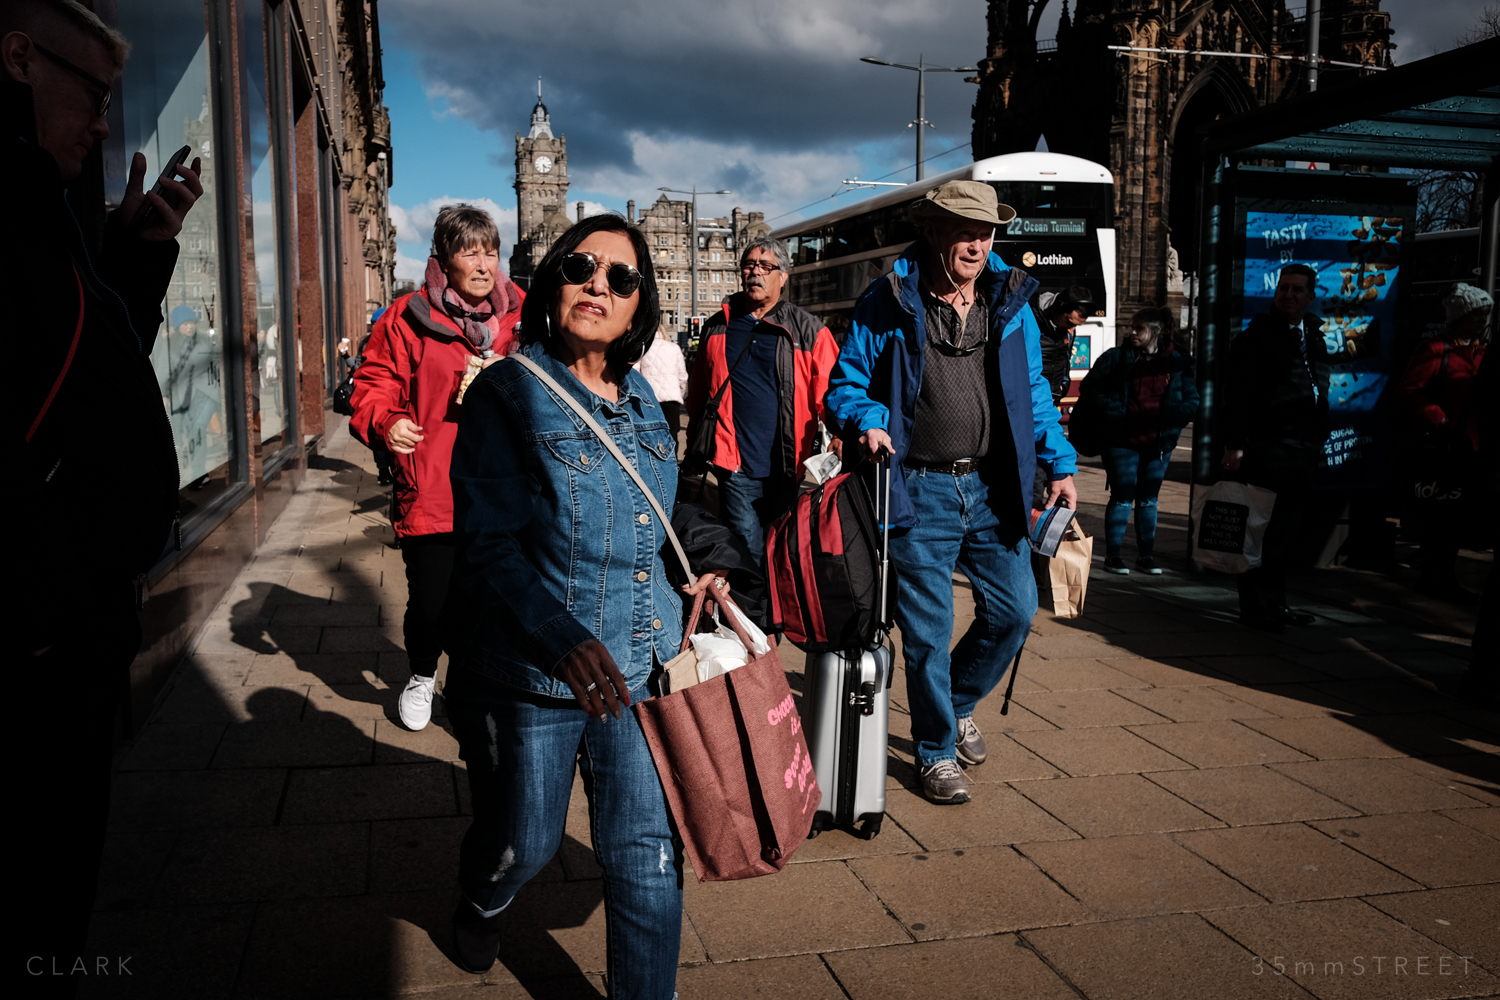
403	437
873	440
1063	489
596	682
170	207
1232	458
836	445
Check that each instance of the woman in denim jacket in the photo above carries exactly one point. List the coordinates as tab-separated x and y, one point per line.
562	608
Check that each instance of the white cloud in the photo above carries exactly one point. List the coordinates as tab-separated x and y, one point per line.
414	223
760	180
410	268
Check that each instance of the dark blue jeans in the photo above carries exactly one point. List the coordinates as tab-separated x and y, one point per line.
747	505
521	753
1134	478
959	530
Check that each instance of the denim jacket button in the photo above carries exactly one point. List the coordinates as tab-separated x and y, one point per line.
583	458
656	623
643	576
643	518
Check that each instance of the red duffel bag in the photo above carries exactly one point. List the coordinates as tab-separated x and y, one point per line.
733	761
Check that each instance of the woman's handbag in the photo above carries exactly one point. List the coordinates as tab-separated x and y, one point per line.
730	751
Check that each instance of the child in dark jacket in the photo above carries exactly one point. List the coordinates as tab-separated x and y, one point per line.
1142	394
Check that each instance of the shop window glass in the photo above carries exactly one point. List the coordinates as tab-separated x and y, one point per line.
165	103
272	357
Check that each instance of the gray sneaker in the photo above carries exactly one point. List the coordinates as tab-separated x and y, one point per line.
970	746
944	783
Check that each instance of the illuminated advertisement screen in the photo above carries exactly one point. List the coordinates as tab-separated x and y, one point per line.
1355	246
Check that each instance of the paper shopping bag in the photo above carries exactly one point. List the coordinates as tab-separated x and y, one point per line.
1229	525
1062	581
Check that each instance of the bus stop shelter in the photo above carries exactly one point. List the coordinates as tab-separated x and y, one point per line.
1440	113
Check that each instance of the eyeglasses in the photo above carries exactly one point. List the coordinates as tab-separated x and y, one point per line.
579	268
759	266
106	91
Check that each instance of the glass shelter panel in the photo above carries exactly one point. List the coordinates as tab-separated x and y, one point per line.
165	103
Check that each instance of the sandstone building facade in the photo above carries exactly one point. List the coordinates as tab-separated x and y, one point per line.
542	215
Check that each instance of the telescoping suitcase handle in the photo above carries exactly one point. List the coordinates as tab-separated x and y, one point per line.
883	517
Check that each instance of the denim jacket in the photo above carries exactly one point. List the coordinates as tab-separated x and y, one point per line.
557	543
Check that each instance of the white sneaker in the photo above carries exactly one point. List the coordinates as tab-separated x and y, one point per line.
415	704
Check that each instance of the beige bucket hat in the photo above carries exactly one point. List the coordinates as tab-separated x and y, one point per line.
965	199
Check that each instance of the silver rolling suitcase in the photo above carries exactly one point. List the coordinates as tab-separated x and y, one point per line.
847	717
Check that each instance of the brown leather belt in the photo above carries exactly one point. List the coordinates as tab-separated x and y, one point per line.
962	467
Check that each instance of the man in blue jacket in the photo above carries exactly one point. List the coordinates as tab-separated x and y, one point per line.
943	370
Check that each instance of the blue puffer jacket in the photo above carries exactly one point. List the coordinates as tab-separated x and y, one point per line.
557	544
880	372
1106	389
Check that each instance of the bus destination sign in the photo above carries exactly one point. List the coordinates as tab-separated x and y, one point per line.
1046	227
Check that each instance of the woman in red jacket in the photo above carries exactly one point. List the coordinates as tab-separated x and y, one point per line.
422	354
1435	392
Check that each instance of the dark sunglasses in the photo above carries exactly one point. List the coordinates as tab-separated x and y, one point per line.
578	268
106	91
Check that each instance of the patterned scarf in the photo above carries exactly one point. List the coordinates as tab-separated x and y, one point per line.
470	319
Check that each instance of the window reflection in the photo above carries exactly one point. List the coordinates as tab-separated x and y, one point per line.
166	103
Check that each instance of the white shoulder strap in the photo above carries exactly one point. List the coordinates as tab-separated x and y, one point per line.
568	400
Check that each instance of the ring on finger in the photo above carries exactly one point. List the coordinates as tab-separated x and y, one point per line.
592	686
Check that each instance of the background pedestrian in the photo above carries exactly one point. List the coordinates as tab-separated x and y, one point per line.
776	359
1274	425
406	394
664	369
1443	435
1142	393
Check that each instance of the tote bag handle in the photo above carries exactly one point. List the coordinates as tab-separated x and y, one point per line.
608	442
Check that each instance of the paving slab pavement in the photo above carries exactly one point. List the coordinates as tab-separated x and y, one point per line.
1172	807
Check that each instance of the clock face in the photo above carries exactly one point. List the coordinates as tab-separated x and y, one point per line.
543	164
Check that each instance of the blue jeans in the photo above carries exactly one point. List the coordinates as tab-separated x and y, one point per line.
521	751
957	529
747	505
1134	478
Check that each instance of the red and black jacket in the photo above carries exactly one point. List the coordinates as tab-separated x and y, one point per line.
805	356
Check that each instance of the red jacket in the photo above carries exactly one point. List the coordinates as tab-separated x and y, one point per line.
412	368
805	356
1435	387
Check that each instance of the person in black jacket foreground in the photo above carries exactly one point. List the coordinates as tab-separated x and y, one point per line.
87	434
1275	423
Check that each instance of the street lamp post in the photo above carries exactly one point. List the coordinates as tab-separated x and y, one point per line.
921	69
693	252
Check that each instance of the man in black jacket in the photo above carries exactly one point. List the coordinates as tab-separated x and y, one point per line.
1275	422
90	444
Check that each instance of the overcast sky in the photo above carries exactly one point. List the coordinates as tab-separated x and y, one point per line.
766	98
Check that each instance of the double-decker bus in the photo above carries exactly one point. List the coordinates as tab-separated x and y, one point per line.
1062	235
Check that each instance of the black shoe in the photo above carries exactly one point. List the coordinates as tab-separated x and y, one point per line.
476	939
1114	564
384	480
1289	617
1263	622
1148	565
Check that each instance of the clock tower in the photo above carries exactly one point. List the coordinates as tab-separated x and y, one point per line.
541	191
